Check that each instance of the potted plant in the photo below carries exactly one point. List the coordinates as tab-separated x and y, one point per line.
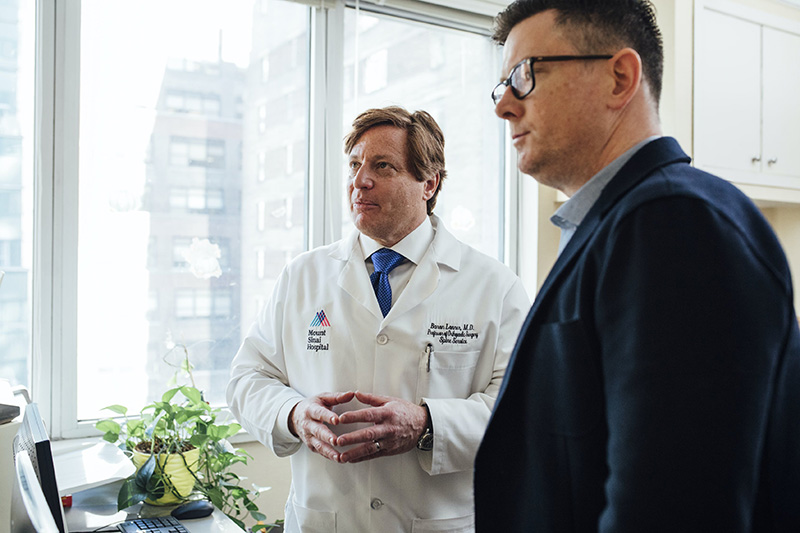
181	452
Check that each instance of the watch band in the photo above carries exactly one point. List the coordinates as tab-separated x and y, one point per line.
425	441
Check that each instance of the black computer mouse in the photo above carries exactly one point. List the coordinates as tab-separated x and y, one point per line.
193	509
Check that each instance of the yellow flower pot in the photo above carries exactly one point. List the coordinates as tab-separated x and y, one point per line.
173	468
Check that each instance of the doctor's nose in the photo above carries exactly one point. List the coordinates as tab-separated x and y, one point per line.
361	180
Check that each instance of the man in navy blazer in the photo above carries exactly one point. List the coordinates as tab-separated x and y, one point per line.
655	385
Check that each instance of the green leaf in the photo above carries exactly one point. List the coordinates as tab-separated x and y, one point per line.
108	426
223	432
194	395
119	409
258	517
216	497
130	494
144	473
111	437
198	441
134	426
167	396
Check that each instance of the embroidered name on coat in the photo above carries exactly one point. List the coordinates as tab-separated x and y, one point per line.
453	333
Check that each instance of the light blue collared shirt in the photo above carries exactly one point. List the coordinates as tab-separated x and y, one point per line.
570	215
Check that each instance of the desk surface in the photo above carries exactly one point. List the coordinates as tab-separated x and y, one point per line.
96	509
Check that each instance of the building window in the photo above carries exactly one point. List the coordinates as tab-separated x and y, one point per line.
261	171
193	102
202	303
261	215
194	199
187	152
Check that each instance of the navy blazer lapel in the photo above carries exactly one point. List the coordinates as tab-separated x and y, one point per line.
658	153
653	155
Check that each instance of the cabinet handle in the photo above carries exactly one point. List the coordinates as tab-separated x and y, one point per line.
772	161
756	159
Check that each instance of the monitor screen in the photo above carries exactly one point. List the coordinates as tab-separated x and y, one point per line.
32	441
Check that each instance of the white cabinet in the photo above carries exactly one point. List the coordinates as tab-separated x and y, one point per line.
747	99
781	102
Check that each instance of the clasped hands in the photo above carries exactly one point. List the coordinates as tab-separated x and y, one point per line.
396	426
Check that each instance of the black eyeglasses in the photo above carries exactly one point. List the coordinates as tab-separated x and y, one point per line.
521	79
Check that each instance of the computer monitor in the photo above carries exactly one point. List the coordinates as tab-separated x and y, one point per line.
32	442
29	510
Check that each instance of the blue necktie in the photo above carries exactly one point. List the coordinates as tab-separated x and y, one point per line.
384	260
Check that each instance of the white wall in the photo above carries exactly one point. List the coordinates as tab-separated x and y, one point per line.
266	470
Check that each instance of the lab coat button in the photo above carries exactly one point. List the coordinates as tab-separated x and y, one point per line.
376	504
382	339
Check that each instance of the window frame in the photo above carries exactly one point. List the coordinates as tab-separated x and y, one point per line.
54	358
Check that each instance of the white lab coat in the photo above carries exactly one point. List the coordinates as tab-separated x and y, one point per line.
468	306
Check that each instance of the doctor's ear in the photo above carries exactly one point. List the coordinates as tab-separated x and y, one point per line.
626	71
431	184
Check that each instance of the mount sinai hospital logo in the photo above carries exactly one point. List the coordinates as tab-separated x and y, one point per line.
320	319
317	334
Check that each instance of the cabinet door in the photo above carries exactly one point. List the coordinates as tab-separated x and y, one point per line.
727	92
781	105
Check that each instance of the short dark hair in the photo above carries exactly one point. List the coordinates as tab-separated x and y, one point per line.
424	144
598	26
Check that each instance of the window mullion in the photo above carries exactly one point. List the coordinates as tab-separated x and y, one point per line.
325	116
316	208
65	221
334	66
41	377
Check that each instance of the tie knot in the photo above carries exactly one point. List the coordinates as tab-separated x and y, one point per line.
384	260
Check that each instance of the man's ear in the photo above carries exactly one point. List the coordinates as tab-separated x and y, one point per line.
626	69
430	186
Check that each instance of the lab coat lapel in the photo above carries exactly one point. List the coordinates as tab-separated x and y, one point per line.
354	278
444	250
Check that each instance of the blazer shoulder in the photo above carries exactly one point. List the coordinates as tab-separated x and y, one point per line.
698	189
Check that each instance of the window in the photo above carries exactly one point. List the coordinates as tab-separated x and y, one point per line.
192	102
167	94
196	199
444	72
202	303
203	147
209	153
17	26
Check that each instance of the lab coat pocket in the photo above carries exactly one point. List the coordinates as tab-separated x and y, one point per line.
462	524
312	521
447	374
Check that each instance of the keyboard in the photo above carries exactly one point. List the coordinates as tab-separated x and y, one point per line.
156	524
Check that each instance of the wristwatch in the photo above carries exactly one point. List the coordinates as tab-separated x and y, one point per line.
425	441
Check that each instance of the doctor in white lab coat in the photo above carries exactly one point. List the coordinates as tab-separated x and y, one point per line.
382	415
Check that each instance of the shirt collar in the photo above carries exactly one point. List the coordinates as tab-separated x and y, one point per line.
413	246
573	211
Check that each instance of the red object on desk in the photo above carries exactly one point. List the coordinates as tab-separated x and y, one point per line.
66	501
